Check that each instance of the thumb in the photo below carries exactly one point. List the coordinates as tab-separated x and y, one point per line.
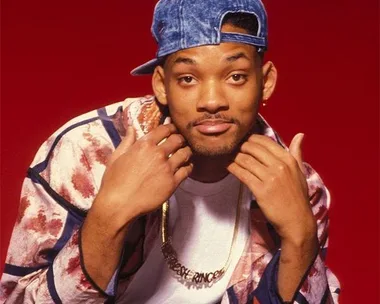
124	146
296	151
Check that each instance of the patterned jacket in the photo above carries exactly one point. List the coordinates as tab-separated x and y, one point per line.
44	262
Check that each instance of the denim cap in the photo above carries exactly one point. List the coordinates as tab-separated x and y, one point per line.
183	24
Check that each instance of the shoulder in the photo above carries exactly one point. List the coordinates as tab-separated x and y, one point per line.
75	132
72	161
86	130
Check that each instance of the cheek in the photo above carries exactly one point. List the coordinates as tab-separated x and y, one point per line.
244	108
181	103
244	102
180	114
179	107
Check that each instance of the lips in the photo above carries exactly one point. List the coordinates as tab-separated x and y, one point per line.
213	126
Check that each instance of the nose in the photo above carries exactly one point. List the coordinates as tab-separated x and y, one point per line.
212	99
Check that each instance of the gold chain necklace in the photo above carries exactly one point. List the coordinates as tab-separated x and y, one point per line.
182	271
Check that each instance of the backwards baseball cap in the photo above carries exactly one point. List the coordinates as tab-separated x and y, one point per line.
183	24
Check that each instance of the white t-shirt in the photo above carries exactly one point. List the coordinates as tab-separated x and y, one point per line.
201	224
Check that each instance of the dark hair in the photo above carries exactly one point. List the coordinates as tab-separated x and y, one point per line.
244	21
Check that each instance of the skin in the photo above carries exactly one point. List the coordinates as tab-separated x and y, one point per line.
205	85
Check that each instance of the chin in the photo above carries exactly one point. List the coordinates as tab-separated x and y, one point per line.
213	150
214	146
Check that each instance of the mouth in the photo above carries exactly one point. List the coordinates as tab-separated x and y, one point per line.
213	126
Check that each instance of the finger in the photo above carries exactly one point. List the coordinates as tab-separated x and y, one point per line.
259	152
160	133
180	157
123	147
295	150
270	145
252	182
183	173
282	156
172	144
252	165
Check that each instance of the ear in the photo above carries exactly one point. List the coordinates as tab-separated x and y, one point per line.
269	79
158	85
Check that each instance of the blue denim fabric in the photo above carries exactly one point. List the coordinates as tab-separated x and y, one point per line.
182	24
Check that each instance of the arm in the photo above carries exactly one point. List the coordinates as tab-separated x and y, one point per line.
43	263
296	257
318	284
140	176
276	177
52	257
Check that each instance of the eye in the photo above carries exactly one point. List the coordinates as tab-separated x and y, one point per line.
237	79
186	80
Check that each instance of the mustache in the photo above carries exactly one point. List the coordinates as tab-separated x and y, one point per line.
208	116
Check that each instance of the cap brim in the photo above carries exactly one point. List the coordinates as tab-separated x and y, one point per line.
146	68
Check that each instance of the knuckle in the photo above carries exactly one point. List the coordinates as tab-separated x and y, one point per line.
183	155
281	168
177	139
168	129
245	177
188	151
253	137
244	160
161	155
166	169
145	143
246	146
185	172
273	180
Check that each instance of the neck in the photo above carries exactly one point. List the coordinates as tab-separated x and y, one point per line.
210	169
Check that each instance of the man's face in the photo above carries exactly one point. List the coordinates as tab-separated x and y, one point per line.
213	94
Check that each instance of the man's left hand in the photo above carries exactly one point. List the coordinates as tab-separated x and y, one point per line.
276	178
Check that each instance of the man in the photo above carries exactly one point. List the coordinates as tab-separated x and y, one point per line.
185	197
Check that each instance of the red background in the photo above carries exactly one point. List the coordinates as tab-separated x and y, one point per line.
60	59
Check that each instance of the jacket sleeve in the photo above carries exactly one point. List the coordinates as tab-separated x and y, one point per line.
319	284
43	263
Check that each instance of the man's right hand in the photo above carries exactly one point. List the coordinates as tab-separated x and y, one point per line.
140	176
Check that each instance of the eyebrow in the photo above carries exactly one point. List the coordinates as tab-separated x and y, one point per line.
236	57
185	60
189	61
